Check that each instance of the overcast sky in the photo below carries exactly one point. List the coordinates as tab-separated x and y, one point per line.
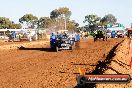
121	9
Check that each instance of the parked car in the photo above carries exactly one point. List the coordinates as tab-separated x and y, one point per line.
4	37
120	35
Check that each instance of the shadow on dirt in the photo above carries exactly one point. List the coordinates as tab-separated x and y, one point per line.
123	63
80	64
44	49
101	67
40	49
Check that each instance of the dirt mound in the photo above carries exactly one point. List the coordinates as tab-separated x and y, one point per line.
119	65
38	67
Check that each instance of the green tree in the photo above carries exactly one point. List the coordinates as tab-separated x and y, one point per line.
45	22
64	12
60	17
15	26
60	13
54	14
29	19
93	21
108	19
72	25
6	23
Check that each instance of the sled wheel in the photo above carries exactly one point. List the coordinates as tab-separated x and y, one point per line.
81	81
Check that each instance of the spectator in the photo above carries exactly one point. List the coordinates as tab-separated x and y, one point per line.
83	35
14	35
78	37
53	37
113	34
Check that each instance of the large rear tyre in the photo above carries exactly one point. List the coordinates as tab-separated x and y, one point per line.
106	38
57	49
72	47
95	39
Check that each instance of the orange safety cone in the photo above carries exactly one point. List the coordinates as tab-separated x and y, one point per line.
82	71
131	63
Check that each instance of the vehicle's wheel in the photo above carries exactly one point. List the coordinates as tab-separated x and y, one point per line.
95	39
106	38
57	49
74	44
72	47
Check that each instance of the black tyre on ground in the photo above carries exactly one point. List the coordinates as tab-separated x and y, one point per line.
81	81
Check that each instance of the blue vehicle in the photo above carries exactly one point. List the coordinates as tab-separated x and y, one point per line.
61	42
113	34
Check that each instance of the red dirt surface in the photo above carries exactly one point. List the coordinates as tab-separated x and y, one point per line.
39	67
120	64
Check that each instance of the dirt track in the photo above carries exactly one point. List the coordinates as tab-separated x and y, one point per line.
39	67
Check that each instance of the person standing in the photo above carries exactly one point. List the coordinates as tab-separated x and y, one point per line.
83	35
78	37
53	37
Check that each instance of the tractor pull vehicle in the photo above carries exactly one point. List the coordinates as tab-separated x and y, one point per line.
62	42
100	35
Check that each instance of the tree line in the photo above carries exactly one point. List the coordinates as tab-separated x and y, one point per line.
94	21
56	20
6	23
